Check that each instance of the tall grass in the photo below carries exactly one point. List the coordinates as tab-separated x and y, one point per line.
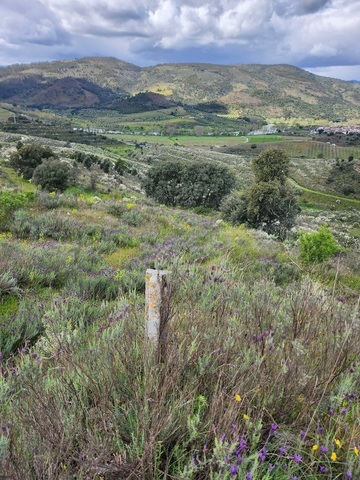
273	367
259	378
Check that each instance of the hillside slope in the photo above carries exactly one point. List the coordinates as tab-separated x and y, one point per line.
272	91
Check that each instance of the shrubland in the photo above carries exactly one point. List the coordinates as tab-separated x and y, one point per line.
260	378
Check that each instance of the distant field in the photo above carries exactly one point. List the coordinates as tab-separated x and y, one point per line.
299	148
199	141
266	138
313	149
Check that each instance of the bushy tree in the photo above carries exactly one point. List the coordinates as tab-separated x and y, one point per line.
53	175
27	157
189	184
272	164
269	203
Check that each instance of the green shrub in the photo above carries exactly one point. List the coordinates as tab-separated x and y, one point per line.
48	201
27	157
53	175
8	285
233	208
317	246
9	202
189	184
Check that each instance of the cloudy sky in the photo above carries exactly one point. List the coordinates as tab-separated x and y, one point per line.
322	36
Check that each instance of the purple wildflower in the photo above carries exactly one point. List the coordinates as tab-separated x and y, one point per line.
302	434
241	446
348	474
283	450
297	458
273	427
323	449
262	454
248	476
233	470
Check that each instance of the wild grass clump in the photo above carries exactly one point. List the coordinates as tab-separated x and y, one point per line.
259	377
257	381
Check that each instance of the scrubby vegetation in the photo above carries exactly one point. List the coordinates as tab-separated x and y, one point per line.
260	376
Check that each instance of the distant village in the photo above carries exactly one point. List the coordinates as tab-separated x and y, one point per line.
346	130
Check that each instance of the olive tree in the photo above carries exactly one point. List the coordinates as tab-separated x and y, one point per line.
27	157
189	184
269	203
53	175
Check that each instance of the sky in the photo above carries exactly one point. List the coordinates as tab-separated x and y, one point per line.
321	36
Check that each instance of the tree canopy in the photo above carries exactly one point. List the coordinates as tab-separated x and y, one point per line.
271	164
269	203
27	157
189	184
53	175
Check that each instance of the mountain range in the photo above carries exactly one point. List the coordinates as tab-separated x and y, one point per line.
269	91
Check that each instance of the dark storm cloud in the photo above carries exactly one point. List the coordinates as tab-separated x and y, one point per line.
289	8
309	33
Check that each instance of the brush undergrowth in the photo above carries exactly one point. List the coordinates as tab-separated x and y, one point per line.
260	375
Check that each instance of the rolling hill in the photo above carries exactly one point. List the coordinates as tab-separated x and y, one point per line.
269	91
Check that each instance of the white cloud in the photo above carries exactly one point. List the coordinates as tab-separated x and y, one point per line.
308	33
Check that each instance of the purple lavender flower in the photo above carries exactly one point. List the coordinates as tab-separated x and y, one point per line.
302	434
297	458
273	427
348	474
323	469
233	470
262	454
241	446
283	450
248	476
323	449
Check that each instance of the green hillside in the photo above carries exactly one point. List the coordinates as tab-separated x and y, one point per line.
268	91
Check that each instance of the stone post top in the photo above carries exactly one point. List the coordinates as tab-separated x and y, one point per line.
152	271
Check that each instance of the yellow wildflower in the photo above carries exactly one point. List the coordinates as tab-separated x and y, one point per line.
333	456
338	443
315	447
356	451
237	398
245	417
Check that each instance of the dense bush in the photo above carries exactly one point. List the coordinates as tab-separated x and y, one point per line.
53	175
27	157
317	246
88	159
189	184
10	202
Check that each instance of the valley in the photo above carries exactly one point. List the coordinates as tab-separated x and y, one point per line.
260	374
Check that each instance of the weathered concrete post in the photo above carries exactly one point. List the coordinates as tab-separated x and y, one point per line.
156	308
